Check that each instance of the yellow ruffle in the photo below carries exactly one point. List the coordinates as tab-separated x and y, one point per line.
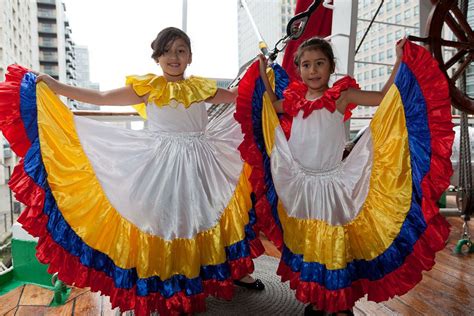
87	210
188	91
384	211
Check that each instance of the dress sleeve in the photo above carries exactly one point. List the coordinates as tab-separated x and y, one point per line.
141	85
341	85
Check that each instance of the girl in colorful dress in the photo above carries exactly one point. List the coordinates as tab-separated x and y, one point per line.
156	219
365	225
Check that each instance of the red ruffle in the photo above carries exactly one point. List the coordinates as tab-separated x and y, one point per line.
295	98
11	123
252	155
435	89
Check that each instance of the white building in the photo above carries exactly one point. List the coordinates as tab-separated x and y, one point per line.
18	35
376	55
83	75
56	48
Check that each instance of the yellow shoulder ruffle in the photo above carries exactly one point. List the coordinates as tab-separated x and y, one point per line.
188	91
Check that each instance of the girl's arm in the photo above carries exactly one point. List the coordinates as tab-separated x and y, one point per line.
223	96
373	98
277	104
121	96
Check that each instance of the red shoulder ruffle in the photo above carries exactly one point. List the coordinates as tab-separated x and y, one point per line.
294	98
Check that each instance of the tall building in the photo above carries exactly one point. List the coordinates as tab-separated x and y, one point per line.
83	75
18	38
271	18
376	55
56	48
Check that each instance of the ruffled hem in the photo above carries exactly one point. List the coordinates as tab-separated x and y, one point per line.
41	217
252	154
295	100
397	282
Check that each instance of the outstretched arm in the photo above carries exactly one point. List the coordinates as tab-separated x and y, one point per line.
121	96
277	104
223	96
373	98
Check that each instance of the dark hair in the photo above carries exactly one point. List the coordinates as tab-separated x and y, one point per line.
166	37
315	43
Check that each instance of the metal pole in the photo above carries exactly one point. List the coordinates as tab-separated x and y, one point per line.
10	193
261	43
185	15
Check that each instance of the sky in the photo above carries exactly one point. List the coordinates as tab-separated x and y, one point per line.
118	34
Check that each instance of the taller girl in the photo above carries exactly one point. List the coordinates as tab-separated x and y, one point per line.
157	219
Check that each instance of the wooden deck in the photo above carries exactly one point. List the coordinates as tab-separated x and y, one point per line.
448	289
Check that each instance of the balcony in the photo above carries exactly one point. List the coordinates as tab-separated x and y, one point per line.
47	14
48	44
51	2
47	28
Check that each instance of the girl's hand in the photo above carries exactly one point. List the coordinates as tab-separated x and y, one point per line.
399	48
50	81
262	64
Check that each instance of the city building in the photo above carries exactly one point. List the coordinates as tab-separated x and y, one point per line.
18	36
376	55
56	48
83	75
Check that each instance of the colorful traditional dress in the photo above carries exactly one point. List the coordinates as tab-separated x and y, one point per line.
157	219
368	224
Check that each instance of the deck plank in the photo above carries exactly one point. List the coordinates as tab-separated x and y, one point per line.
36	295
88	304
65	310
10	300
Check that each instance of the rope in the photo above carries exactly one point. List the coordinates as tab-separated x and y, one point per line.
368	29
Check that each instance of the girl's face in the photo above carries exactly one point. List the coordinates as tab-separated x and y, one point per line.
315	69
175	60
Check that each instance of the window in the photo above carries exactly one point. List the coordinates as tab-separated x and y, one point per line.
398	18
389	37
381	71
416	10
366	75
407	14
373	58
374	87
374	73
398	34
389	53
381	40
381	56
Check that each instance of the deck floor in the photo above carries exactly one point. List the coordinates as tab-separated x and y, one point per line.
448	289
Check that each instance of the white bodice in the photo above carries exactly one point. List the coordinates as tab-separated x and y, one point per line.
317	142
176	118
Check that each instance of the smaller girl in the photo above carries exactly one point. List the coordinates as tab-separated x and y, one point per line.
156	219
366	224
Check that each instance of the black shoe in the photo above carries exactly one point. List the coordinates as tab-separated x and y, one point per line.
256	285
309	311
347	312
